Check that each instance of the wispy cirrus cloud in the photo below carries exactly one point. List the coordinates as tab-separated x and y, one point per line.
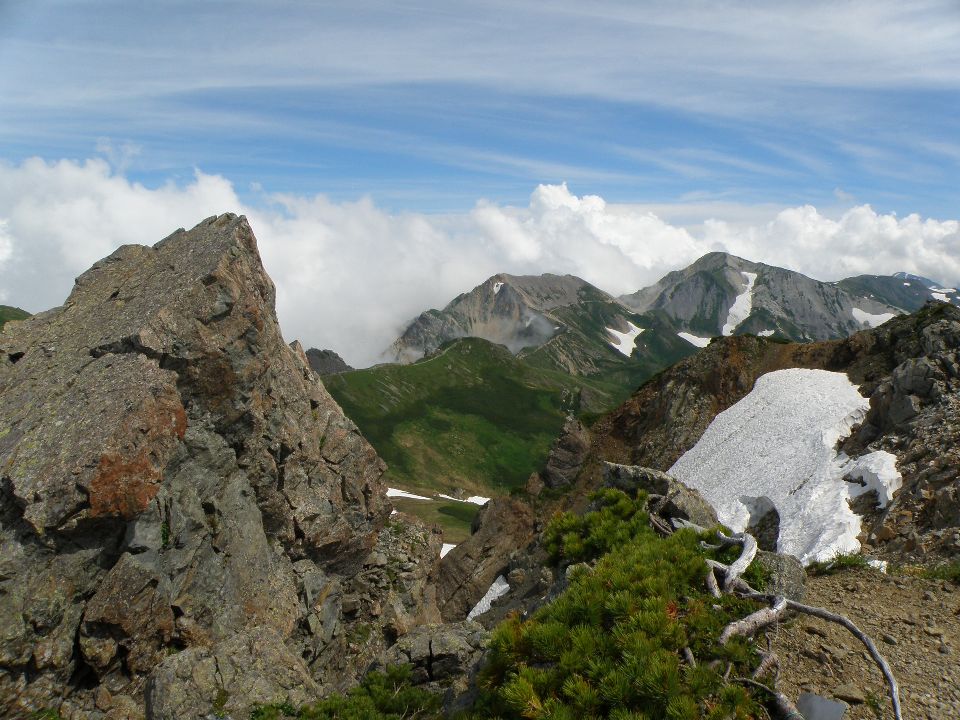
766	100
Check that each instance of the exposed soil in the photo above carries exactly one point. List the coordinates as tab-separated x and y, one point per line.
915	624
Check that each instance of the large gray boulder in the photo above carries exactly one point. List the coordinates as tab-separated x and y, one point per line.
669	498
175	480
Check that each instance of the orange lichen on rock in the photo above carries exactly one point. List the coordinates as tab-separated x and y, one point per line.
127	480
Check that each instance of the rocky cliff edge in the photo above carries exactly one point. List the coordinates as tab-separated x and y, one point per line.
189	524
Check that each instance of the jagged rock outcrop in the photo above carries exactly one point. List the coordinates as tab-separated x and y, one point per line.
668	497
179	489
326	362
502	526
444	659
567	455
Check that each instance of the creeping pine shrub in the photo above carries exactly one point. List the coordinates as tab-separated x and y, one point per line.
381	696
610	646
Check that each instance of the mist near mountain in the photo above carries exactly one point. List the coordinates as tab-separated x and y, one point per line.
351	275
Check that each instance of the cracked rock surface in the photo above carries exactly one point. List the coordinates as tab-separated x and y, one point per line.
178	485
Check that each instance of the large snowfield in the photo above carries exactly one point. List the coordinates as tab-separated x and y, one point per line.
778	445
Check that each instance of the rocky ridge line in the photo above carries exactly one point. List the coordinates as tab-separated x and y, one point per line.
188	518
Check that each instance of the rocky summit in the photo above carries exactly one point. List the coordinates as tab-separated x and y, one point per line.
188	520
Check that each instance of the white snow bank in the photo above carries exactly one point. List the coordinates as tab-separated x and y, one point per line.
766	333
445	548
393	492
873	321
625	341
498	589
475	499
695	339
496	287
874	471
740	310
778	445
907	284
941	293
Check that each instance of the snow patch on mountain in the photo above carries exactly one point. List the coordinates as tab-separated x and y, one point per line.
941	293
498	589
766	333
475	499
740	310
445	548
496	287
778	446
865	318
625	341
394	492
695	339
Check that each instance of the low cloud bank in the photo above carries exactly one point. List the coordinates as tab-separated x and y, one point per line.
349	274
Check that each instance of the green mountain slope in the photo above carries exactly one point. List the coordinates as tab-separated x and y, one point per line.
8	312
470	419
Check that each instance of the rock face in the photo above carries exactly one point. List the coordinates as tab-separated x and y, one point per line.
502	526
567	455
554	321
701	297
326	362
178	488
669	498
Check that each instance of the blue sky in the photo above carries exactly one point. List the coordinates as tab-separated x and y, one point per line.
391	155
431	105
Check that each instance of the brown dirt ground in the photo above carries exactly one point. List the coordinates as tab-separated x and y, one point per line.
915	623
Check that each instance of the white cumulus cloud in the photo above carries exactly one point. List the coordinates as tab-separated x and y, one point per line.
350	274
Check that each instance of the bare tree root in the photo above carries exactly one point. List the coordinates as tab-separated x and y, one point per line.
783	705
712	585
893	687
768	661
732	581
755	621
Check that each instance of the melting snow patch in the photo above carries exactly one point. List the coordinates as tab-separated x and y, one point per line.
496	287
497	590
445	548
941	293
865	318
695	339
907	284
625	342
475	499
393	492
779	442
874	471
740	310
766	333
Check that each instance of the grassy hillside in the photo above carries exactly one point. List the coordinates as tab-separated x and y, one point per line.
11	313
471	419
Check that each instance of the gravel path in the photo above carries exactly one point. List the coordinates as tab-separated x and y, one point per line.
916	625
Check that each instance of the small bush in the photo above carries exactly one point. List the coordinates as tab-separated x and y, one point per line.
947	571
381	696
610	646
